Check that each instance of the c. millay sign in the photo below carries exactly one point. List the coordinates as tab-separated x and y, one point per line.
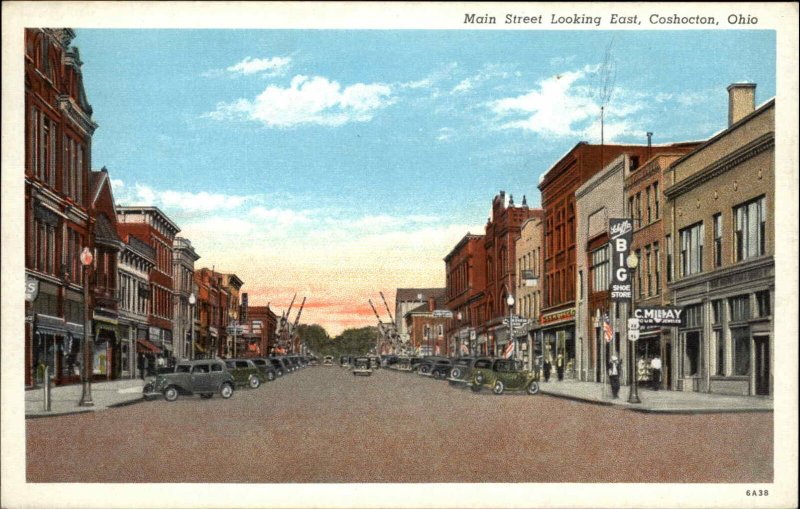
657	317
621	233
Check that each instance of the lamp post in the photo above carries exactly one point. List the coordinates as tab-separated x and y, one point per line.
510	302
88	351
633	396
192	302
458	331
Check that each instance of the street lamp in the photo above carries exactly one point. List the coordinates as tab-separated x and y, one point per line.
510	302
458	331
88	351
192	301
633	396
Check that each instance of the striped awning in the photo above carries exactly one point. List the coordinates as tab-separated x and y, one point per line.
145	346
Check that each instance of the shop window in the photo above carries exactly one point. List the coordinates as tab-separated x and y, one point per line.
740	337
692	341
750	229
763	304
720	345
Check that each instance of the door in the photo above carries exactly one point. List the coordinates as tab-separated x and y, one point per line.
762	371
666	372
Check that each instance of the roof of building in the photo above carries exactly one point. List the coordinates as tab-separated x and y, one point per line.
410	294
104	230
141	209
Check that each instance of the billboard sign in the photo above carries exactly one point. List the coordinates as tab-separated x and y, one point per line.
656	317
620	231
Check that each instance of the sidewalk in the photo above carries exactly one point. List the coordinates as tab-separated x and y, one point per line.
64	400
661	401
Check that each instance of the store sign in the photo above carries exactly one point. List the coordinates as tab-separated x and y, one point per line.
620	231
559	316
656	317
31	289
442	313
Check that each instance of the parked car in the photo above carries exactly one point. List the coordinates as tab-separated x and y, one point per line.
245	372
266	367
402	364
504	375
375	362
203	377
312	360
362	366
327	360
437	367
344	361
280	367
389	360
461	373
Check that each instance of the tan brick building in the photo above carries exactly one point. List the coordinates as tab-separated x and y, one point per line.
529	285
720	225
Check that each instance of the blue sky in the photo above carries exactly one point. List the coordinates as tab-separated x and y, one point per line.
338	163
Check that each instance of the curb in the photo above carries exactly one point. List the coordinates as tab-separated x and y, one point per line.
127	403
71	412
86	410
673	411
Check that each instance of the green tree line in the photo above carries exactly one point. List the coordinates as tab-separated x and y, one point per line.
350	342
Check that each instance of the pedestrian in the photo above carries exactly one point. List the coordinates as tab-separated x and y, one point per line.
641	369
613	375
655	372
560	367
547	367
161	363
142	364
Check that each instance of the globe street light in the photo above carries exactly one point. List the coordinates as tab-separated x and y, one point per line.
458	331
633	395
86	258
192	301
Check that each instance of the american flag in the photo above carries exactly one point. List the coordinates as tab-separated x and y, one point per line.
464	349
437	350
508	351
608	331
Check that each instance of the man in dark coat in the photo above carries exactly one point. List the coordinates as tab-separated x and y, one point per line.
613	375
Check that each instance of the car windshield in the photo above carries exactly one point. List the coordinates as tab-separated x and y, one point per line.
183	368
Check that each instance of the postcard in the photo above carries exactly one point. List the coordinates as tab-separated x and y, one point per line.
399	254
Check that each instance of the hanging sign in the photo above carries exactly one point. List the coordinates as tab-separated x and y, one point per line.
620	231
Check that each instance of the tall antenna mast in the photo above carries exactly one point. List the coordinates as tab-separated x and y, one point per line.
606	75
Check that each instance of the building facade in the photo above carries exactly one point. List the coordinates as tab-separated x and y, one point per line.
720	242
108	344
235	343
407	299
529	287
260	328
558	186
426	331
136	259
156	229
465	287
183	258
58	146
500	243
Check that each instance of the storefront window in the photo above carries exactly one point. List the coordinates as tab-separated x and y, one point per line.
741	350
691	365
720	342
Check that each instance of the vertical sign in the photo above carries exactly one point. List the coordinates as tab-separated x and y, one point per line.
243	310
620	231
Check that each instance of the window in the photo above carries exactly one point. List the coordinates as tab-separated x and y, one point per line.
639	273
740	337
750	229
600	270
740	308
630	207
580	284
717	240
720	342
763	304
638	204
649	260
657	257
716	312
647	205
668	240
655	200
692	250
693	316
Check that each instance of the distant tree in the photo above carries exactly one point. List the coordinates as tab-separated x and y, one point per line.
316	338
355	341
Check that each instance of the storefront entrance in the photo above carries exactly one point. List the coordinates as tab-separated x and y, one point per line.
762	371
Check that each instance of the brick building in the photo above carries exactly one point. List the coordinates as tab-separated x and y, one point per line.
502	231
426	331
136	260
529	286
152	226
235	344
183	258
558	186
260	328
58	141
720	241
465	290
407	299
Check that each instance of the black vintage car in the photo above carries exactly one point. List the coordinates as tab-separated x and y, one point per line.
437	367
203	377
281	364
266	367
504	375
462	369
362	366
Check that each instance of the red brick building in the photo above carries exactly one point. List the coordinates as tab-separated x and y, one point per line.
465	292
558	186
107	362
426	331
209	312
58	141
260	327
502	231
156	229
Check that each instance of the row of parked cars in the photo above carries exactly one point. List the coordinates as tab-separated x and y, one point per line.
222	376
478	373
362	365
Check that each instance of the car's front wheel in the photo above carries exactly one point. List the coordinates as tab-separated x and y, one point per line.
254	382
533	388
270	376
226	391
498	387
170	393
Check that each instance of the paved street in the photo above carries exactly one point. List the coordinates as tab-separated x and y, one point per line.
322	424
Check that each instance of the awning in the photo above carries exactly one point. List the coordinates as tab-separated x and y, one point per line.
144	346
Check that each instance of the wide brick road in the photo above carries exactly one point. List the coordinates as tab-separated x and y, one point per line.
324	425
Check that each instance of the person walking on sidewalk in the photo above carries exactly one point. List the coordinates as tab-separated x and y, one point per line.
655	372
613	375
547	368
560	367
142	364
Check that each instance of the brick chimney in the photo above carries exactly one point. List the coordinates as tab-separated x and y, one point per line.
431	304
741	101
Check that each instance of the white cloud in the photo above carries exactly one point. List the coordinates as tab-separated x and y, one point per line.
274	66
180	201
314	100
280	216
463	86
445	133
117	184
